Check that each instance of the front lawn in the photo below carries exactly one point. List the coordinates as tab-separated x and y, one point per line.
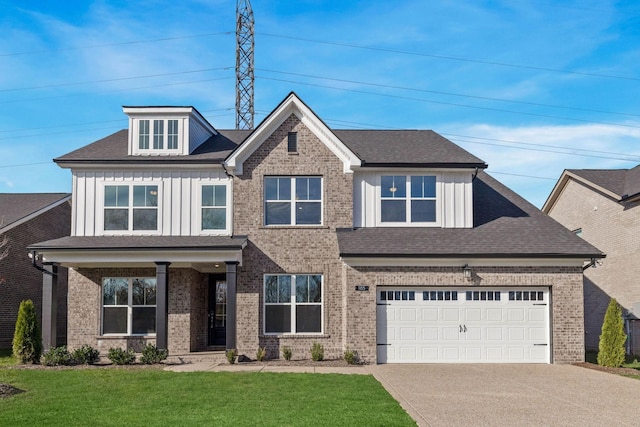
149	396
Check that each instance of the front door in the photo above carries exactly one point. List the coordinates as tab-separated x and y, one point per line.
217	310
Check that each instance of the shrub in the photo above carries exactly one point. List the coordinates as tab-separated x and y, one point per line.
57	356
287	353
27	341
151	355
231	355
317	352
611	348
261	354
119	356
86	355
351	357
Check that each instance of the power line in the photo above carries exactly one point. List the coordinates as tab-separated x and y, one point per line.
523	176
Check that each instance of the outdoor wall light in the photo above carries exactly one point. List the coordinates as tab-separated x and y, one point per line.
467	271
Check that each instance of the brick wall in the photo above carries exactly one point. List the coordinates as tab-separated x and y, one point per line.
23	281
186	325
565	284
290	249
613	228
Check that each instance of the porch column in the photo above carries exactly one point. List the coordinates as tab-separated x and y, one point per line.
162	305
49	305
232	268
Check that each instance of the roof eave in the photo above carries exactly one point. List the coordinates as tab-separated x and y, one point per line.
366	164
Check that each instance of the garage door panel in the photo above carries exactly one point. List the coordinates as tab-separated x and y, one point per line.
461	325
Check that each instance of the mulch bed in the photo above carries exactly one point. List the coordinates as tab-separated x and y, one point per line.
7	390
331	363
617	371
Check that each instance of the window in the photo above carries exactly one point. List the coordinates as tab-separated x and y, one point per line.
214	207
163	130
407	199
122	212
293	201
292	142
292	304
129	306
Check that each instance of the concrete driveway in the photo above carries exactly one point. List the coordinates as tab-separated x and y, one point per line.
512	395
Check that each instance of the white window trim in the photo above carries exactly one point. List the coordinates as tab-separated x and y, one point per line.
100	231
292	304
135	141
292	201
407	222
129	306
229	208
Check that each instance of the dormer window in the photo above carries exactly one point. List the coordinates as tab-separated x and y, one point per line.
163	130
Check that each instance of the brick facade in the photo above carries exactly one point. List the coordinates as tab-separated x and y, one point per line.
22	281
613	228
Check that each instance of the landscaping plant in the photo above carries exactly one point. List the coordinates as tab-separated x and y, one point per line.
231	355
27	341
86	355
611	351
261	354
351	357
151	355
317	352
119	356
287	353
57	356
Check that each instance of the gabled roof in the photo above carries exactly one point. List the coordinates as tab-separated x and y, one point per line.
16	208
505	226
621	185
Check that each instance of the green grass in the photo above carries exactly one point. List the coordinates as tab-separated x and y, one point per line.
153	397
6	359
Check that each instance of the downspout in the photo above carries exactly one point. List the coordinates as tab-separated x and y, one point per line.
34	257
475	174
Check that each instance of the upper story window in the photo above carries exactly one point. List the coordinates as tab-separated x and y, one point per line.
163	130
214	207
408	199
130	207
293	200
292	142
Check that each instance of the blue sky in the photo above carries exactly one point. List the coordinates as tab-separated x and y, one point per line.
532	87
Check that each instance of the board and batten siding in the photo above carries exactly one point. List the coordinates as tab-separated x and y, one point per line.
453	192
179	201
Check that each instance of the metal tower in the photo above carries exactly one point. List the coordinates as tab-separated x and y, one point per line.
244	65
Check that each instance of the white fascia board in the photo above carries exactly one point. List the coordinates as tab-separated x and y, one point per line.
292	105
147	111
176	165
97	258
34	214
460	262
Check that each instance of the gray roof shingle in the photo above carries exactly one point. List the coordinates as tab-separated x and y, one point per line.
15	206
107	243
505	225
622	182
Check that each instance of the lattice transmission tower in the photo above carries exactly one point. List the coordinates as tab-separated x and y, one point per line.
244	64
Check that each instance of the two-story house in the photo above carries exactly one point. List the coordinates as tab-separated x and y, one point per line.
603	207
394	244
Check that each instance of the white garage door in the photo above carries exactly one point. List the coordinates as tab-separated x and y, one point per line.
463	325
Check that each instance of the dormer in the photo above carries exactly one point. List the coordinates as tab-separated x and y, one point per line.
166	131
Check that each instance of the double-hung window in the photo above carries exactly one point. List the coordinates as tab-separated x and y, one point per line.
130	207
292	304
293	200
214	207
128	306
152	134
408	199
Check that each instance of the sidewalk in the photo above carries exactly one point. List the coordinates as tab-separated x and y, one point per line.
255	367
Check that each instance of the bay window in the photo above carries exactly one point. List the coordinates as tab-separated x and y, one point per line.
293	304
128	306
407	199
293	200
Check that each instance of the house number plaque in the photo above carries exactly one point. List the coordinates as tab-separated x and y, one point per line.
362	288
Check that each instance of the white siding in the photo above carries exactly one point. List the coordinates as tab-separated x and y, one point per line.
179	203
455	197
197	135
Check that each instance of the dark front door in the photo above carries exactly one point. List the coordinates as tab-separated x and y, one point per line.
217	309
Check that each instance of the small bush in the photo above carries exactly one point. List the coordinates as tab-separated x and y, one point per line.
351	357
231	355
151	355
261	354
317	352
86	355
287	353
119	356
57	356
611	347
27	340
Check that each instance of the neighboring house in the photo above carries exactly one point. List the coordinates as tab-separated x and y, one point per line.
26	219
603	207
394	244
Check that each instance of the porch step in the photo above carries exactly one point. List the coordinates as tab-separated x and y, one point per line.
197	357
